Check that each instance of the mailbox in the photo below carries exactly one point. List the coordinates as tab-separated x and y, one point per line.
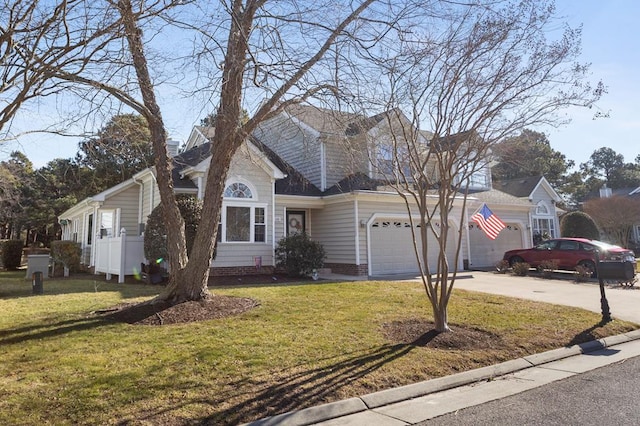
616	271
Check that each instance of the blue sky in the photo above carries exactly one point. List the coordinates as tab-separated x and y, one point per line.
610	36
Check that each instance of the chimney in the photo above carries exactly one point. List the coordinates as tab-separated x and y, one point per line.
172	147
605	192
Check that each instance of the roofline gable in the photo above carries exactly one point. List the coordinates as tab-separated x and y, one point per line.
548	188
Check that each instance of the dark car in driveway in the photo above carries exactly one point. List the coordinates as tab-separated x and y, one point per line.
568	253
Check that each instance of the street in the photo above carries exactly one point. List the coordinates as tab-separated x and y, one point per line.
608	395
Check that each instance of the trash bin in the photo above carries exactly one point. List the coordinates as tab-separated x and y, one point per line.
37	287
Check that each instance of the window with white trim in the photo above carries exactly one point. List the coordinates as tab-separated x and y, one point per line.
544	225
107	219
243	219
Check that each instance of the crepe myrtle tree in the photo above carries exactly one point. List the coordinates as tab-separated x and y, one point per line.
114	55
477	76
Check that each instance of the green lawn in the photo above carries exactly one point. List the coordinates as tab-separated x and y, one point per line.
304	345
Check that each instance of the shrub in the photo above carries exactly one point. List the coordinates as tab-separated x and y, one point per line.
547	267
520	269
155	243
67	253
582	273
299	255
579	225
12	253
502	266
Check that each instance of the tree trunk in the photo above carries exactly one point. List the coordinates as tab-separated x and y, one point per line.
176	243
191	283
441	319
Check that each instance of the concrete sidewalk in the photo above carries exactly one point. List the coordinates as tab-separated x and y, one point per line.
426	400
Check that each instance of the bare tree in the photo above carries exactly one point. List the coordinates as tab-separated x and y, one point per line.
281	50
615	216
477	75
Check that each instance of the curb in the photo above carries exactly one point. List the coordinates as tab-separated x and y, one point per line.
320	413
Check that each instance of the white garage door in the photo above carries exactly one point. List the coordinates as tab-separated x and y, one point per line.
392	249
484	252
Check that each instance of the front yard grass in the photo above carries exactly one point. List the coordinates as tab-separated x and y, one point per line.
306	344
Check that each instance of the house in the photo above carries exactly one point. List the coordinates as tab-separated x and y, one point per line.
312	169
629	192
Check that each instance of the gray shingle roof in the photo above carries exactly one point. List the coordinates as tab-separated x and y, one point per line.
520	187
494	196
188	159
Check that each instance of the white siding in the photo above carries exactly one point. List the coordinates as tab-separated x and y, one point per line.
541	194
334	227
128	202
245	168
150	197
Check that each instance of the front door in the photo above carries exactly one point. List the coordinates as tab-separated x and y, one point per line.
296	222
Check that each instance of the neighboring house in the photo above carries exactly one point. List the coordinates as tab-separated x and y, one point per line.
632	192
310	169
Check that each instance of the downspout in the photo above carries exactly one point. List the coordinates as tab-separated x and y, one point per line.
273	222
467	237
140	201
152	193
357	229
200	190
323	167
528	234
96	225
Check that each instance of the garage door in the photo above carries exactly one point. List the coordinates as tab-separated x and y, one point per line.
484	252
392	249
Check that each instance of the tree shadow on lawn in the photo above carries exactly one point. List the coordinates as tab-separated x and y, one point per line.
300	387
43	331
254	398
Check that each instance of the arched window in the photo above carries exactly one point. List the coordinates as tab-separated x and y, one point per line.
544	225
243	219
542	209
238	190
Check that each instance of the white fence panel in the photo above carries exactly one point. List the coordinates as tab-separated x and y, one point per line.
119	255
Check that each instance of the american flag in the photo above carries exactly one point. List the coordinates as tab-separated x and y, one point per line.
488	222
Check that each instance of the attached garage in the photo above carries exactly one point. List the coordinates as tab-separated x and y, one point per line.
392	250
485	253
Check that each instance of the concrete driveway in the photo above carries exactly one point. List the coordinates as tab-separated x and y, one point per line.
624	302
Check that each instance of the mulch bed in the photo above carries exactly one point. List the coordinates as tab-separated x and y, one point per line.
163	313
421	332
218	306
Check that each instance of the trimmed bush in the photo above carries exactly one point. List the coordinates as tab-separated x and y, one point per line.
582	273
12	253
502	266
299	255
521	269
579	225
155	243
67	253
547	267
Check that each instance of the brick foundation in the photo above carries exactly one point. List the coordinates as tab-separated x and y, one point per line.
241	270
348	269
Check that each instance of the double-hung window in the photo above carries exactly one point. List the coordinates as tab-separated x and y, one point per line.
243	218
